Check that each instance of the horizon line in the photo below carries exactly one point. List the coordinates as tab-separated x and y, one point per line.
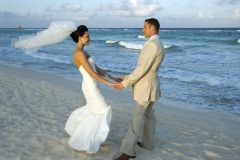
135	28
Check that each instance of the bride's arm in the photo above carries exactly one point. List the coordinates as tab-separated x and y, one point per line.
85	64
105	74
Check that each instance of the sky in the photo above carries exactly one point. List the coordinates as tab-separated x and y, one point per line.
120	13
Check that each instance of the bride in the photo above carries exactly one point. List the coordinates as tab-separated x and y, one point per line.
88	126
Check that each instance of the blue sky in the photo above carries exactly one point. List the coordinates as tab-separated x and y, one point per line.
120	13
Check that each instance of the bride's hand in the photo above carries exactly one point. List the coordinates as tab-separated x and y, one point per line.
114	86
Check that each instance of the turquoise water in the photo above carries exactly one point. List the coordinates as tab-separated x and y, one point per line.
201	66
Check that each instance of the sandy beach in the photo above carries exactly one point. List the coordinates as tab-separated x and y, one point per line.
34	108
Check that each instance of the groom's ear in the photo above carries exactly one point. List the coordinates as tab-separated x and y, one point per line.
152	27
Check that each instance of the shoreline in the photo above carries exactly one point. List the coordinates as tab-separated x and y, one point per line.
107	92
35	106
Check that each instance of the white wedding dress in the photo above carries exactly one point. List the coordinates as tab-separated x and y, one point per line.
88	126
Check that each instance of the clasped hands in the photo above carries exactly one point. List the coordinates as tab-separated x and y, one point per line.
118	85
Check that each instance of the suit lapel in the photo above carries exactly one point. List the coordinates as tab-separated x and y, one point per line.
149	40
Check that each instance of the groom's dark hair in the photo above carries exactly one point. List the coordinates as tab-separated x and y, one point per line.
79	32
154	22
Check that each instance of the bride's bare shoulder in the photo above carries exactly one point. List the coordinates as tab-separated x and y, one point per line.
78	52
77	58
79	55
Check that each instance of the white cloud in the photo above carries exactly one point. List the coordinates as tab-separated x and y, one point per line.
76	8
84	15
209	15
236	14
132	8
200	14
25	14
66	7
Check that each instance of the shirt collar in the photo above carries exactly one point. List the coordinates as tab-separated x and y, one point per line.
152	37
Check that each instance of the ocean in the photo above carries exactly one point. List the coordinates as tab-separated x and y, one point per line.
201	69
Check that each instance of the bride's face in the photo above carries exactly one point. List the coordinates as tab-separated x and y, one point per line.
85	39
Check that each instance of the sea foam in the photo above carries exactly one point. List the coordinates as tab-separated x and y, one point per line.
214	30
238	41
110	41
130	45
167	46
141	37
137	46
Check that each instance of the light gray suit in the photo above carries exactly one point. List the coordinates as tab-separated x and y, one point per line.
146	90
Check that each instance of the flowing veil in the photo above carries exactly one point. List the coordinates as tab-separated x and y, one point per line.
55	33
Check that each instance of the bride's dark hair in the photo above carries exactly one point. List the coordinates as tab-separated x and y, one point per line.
79	32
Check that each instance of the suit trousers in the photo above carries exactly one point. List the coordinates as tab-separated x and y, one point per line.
144	121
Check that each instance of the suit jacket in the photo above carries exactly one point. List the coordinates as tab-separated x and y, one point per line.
144	79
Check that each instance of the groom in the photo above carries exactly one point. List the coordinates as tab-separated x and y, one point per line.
146	90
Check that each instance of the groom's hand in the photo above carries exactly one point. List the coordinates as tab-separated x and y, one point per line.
121	78
117	80
119	86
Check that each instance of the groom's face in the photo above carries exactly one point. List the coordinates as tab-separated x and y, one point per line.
147	30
